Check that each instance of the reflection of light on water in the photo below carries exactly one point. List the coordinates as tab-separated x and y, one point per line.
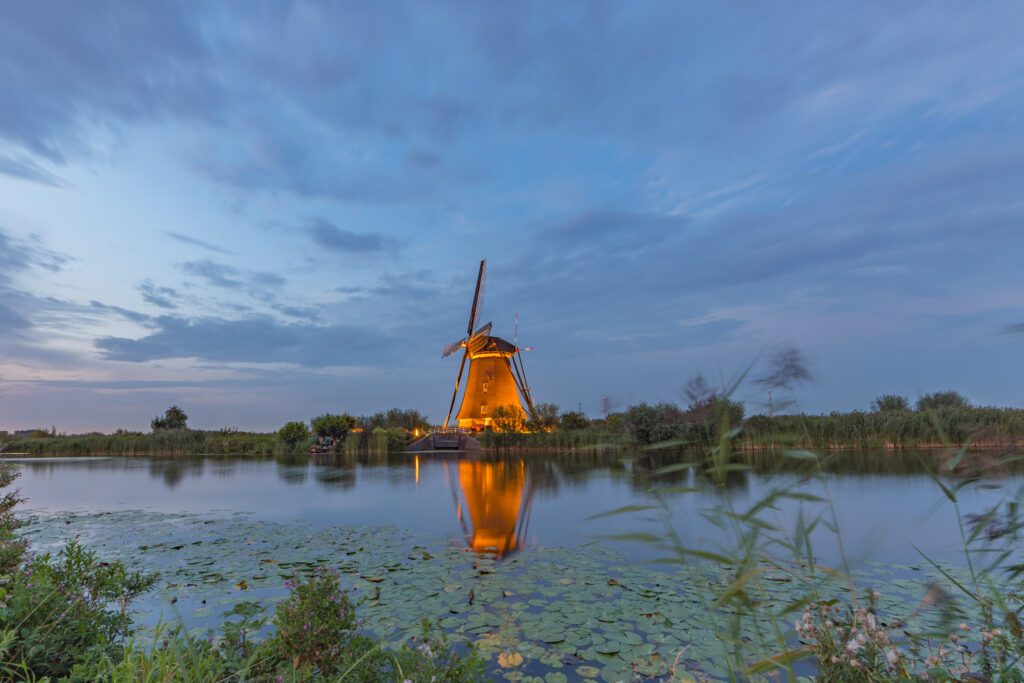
417	461
498	510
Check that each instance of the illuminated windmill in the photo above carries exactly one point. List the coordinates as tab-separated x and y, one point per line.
496	373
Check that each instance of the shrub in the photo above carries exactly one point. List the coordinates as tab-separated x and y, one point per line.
317	637
544	418
573	420
174	418
293	434
334	426
508	419
647	424
890	402
69	608
941	400
316	627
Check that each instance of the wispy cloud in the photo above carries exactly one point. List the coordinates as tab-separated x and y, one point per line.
26	169
256	339
228	277
214	274
195	242
162	297
329	236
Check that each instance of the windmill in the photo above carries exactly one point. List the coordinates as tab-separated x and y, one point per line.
496	373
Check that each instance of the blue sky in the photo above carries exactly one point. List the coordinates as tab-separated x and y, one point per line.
264	211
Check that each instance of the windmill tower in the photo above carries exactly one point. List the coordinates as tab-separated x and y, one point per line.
496	373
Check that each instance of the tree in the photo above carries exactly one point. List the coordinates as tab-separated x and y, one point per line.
395	418
942	399
334	426
887	403
572	420
293	434
647	424
545	417
507	419
174	418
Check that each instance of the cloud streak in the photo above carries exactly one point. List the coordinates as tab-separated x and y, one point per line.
202	244
329	236
255	340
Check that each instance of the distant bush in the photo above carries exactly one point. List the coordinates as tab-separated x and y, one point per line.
395	418
293	434
387	440
573	420
174	418
890	402
941	400
508	419
544	418
334	426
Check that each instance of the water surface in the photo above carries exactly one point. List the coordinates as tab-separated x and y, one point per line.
883	511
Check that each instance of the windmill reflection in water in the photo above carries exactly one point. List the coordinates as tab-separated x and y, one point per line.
492	503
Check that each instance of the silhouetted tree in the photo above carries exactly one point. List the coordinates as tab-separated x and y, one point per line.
395	418
573	419
174	418
942	399
890	402
334	426
545	417
293	434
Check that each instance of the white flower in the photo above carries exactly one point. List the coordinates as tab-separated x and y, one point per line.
853	646
892	656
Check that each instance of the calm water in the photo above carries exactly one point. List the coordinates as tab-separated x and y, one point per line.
510	503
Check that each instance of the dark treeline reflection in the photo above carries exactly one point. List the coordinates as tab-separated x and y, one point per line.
486	502
548	473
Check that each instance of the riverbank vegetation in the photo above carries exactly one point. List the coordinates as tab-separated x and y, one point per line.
891	422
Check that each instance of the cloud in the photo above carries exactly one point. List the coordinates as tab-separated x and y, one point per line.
125	313
264	279
185	239
333	238
162	297
69	72
309	313
11	321
228	277
214	274
26	169
258	339
1017	328
21	254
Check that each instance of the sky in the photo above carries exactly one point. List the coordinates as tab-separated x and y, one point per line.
263	211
